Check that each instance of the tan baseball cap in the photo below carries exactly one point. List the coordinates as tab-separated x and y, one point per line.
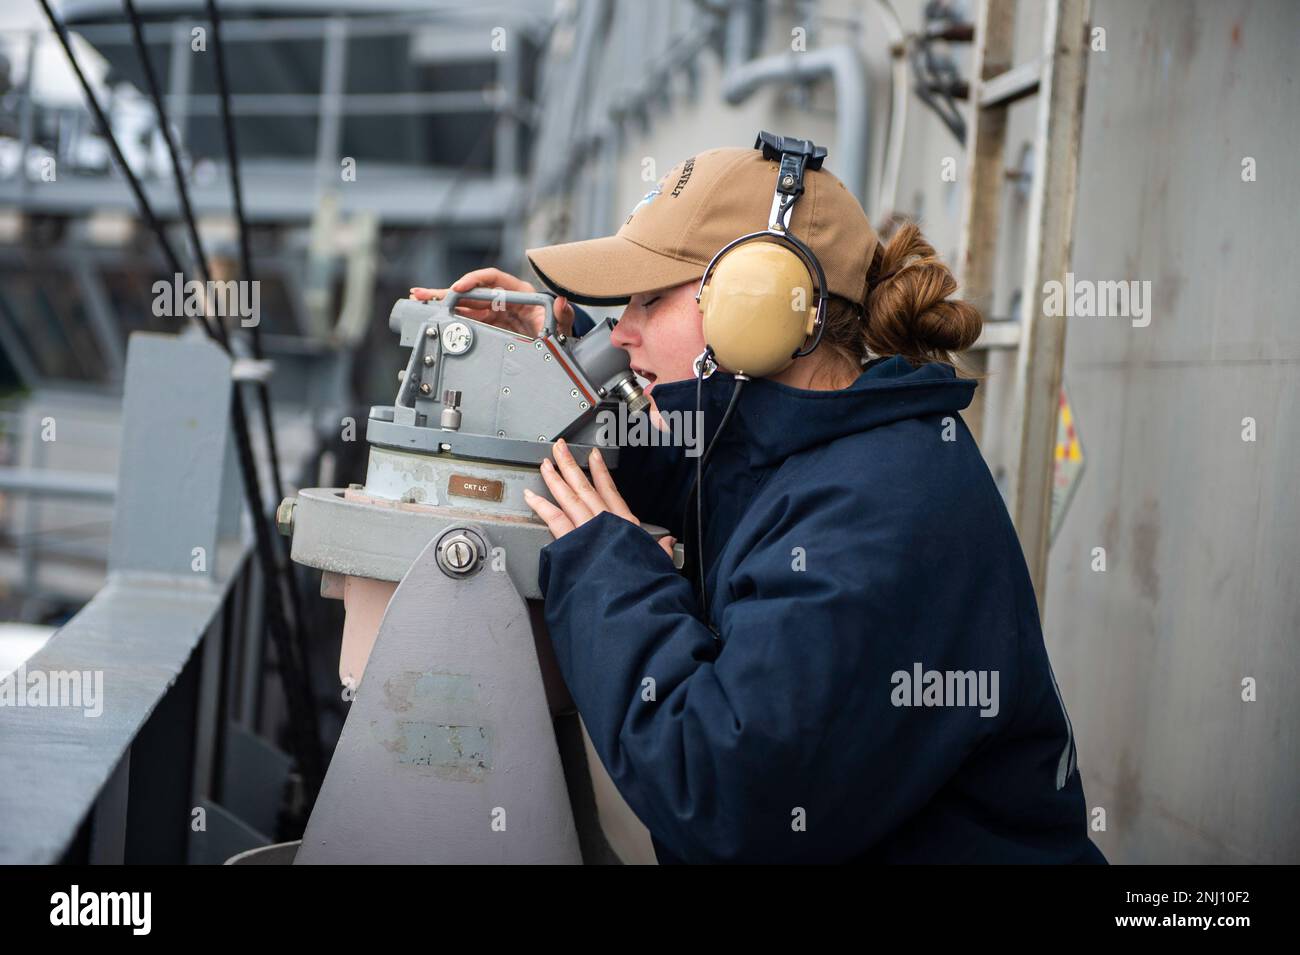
702	204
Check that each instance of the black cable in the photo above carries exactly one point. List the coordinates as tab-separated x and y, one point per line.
245	243
182	194
936	78
300	608
309	756
295	667
143	203
697	488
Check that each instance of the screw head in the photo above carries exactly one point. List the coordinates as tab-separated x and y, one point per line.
573	392
401	375
460	552
428	359
425	389
430	332
505	391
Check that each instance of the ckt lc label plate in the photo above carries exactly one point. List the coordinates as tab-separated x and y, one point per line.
481	489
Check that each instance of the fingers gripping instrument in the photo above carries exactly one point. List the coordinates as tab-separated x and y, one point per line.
476	390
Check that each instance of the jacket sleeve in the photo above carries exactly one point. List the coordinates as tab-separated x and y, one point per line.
778	742
654	482
582	322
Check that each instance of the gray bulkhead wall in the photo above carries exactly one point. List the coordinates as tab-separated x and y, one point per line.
1201	528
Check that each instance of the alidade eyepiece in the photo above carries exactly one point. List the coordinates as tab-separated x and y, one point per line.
631	392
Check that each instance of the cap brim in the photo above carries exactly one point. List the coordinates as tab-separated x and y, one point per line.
609	270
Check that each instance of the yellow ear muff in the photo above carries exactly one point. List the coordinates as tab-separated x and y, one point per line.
759	307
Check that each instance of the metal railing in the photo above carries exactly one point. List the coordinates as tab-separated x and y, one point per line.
117	738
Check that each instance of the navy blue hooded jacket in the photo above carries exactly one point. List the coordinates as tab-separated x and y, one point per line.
854	542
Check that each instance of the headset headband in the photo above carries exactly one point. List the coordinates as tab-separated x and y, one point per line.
795	155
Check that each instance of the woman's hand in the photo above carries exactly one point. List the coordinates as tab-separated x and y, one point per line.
578	501
525	319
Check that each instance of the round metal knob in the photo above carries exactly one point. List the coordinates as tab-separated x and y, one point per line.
461	552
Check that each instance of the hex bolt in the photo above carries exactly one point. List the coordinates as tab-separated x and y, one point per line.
284	516
428	359
430	332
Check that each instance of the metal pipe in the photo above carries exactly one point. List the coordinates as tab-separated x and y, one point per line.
887	195
64	484
843	64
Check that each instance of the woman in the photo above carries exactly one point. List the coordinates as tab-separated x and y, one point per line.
871	682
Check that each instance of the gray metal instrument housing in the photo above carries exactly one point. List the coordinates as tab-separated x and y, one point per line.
511	395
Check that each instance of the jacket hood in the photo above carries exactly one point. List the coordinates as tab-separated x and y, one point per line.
779	420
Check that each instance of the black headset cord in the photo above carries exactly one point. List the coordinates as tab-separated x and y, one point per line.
697	489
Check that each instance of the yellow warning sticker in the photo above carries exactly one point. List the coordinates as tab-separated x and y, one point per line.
1068	463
